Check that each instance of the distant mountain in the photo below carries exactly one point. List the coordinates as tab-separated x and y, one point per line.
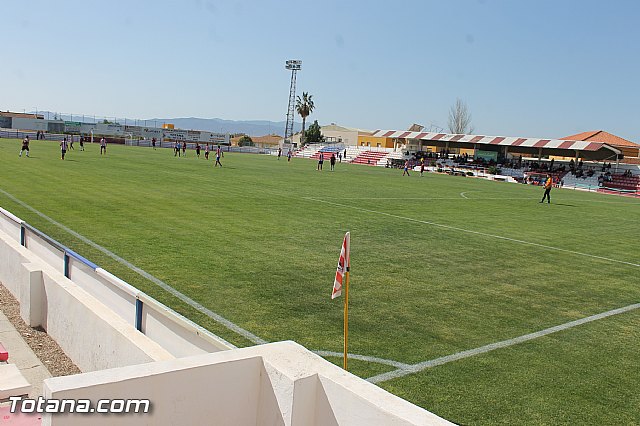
250	127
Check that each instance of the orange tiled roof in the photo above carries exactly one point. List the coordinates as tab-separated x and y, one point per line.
601	136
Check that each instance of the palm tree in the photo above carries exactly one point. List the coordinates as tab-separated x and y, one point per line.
304	107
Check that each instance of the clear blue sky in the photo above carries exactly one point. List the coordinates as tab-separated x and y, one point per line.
539	68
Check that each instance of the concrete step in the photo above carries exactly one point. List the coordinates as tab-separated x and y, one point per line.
12	382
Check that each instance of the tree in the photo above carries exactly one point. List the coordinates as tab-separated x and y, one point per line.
304	107
245	141
313	134
460	118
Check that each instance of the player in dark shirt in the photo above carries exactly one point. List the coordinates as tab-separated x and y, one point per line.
25	146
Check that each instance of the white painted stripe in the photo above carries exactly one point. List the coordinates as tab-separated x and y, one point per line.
396	364
436	198
463	196
631	201
415	368
468	231
186	299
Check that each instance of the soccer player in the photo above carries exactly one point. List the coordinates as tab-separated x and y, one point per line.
206	152
279	153
63	147
289	155
320	161
218	152
547	190
332	161
422	167
176	149
25	146
81	143
103	146
198	150
71	143
406	168
153	143
184	149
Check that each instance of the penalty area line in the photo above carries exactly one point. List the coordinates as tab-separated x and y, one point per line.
416	368
468	231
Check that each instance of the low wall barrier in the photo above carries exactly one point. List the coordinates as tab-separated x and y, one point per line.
175	333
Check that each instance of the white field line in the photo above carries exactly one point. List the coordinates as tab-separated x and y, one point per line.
434	198
186	299
461	198
415	368
403	369
400	365
468	231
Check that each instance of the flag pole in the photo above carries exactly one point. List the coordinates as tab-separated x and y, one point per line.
346	319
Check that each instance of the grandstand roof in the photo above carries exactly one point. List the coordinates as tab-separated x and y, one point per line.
602	136
589	149
531	143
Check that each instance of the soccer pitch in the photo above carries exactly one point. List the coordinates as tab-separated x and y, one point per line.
441	267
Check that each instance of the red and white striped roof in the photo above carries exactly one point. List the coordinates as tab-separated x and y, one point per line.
497	140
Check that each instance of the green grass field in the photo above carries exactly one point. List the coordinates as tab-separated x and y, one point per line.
440	265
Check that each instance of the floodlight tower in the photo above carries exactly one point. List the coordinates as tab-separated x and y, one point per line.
294	65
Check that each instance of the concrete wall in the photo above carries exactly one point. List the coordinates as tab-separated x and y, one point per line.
41	304
29	124
87	331
276	384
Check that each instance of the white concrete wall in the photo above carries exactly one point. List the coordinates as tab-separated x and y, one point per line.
175	333
46	252
28	124
179	335
276	384
12	256
10	224
119	296
87	331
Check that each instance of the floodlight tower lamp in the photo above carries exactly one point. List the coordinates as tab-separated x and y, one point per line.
294	65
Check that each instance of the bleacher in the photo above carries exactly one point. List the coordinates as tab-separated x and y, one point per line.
371	158
624	183
584	182
327	151
508	171
308	151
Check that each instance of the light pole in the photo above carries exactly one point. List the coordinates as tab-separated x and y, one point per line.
294	65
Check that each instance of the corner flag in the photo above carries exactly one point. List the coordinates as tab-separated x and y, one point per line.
343	267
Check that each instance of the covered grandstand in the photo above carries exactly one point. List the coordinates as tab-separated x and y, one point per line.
504	145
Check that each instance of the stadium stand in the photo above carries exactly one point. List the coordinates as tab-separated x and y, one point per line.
626	183
327	150
584	183
372	158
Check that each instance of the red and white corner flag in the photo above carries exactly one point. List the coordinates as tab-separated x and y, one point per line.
344	262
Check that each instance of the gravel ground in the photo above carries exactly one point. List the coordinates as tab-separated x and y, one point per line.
45	348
